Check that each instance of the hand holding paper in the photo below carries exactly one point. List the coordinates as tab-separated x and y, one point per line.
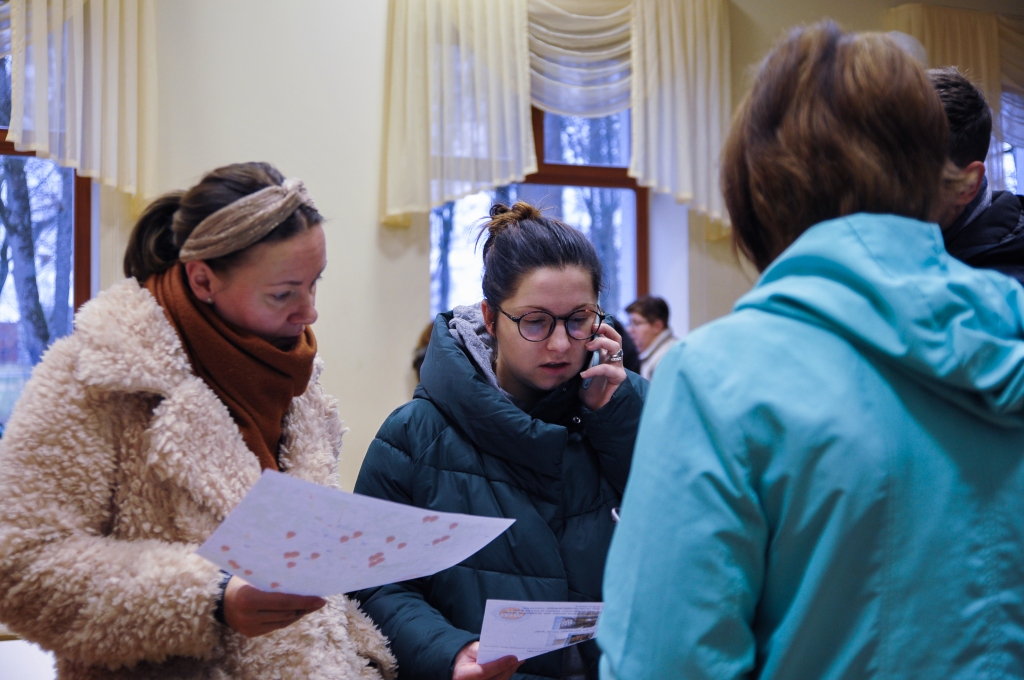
253	612
528	629
468	667
292	536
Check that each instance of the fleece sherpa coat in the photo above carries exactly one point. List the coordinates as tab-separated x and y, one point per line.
116	464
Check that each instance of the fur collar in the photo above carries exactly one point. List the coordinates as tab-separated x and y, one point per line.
126	344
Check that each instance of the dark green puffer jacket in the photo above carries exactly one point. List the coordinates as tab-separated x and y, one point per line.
460	446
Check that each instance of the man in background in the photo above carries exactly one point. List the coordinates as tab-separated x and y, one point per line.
981	227
648	326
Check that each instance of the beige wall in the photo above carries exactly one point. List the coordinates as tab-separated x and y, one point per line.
300	84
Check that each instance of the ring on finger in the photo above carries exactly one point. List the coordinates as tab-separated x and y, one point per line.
616	357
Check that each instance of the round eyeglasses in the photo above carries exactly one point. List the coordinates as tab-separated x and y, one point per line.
538	326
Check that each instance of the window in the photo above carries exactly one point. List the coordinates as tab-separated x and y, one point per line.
44	255
1010	165
581	180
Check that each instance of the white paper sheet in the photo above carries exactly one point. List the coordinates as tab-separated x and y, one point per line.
292	536
527	629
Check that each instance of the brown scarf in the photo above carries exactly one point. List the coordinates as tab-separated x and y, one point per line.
254	379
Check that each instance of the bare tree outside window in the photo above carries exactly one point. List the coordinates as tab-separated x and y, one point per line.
36	259
1010	168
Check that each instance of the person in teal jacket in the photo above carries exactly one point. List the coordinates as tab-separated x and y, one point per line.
829	482
501	425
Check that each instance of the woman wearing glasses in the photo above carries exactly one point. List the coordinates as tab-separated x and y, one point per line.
507	423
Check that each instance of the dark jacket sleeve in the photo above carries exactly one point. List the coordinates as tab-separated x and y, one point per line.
611	429
422	640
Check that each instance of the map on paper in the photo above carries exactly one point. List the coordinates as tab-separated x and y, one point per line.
292	536
528	629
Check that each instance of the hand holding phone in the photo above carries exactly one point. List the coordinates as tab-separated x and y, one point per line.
605	346
595	359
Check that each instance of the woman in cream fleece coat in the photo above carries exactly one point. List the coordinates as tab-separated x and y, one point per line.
118	462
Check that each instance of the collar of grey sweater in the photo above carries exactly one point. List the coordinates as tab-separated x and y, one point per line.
468	329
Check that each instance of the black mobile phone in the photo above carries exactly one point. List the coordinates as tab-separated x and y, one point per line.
595	359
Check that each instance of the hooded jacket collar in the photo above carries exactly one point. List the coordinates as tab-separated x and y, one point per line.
656	344
887	285
992	238
470	332
971	212
492	423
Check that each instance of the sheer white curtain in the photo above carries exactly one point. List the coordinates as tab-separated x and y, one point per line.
1011	65
580	56
970	41
681	99
83	78
5	28
458	102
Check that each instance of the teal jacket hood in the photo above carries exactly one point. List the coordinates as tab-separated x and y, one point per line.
886	285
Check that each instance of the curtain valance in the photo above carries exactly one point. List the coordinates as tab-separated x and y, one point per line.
463	73
580	56
83	78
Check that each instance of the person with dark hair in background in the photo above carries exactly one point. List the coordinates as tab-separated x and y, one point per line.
980	227
511	419
829	481
419	353
144	428
648	326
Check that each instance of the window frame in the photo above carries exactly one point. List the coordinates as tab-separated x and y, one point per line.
82	218
597	176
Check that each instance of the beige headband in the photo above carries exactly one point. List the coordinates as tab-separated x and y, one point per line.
240	224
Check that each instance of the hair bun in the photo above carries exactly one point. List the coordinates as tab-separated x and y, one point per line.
520	239
520	211
504	218
526	211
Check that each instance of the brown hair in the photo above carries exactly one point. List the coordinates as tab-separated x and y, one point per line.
970	120
836	123
160	232
420	352
650	308
520	239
